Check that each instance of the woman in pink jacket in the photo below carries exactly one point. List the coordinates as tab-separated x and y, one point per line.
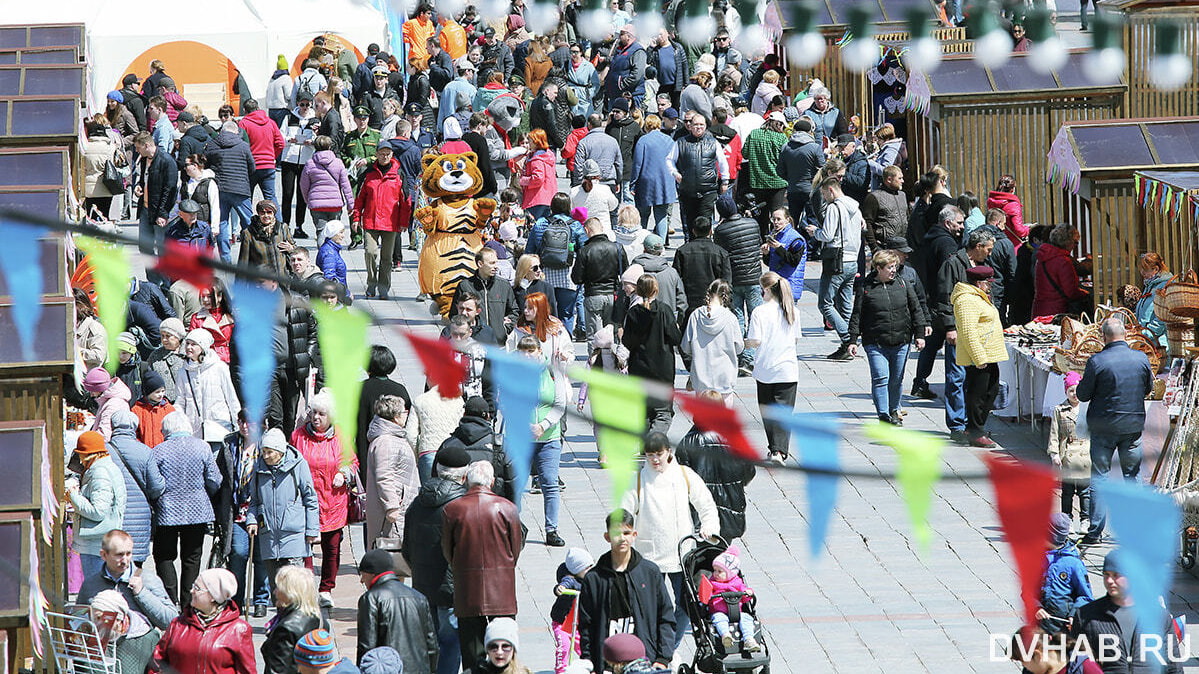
1004	198
538	180
325	184
111	394
318	443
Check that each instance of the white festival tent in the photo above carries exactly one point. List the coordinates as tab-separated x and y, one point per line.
249	33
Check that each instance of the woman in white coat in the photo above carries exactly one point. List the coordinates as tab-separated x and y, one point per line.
205	390
661	503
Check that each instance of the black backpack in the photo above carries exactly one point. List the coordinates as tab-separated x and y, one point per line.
556	249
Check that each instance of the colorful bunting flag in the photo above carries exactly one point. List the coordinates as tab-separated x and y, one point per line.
180	261
37	600
1147	524
816	439
344	355
518	390
715	417
919	469
444	367
110	271
21	262
255	312
1024	496
49	498
617	402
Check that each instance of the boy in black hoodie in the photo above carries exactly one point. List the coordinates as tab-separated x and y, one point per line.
625	590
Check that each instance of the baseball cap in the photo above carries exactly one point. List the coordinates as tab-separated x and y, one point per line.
652	242
777	116
670	113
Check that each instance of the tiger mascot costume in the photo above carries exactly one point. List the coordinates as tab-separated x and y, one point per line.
453	222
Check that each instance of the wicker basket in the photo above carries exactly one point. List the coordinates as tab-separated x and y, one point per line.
1075	360
1138	342
1179	336
1181	296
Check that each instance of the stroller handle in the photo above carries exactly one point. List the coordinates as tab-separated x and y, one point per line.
698	541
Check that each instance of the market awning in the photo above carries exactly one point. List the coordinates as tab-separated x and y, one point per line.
962	78
1168	191
1121	147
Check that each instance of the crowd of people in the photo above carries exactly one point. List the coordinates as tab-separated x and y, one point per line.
641	127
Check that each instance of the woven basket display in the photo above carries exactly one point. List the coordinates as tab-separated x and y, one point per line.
1179	297
1179	336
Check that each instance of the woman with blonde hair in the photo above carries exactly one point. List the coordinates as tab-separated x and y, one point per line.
299	613
767	90
695	95
529	279
774	331
628	231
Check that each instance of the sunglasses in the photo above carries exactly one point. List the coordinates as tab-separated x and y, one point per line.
499	646
536	267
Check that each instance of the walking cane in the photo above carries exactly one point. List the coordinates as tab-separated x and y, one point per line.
245	609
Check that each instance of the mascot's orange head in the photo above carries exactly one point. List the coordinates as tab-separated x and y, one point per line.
451	175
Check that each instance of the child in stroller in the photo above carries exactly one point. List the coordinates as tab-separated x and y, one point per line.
726	577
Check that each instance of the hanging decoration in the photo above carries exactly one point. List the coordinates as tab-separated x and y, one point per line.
924	51
816	438
994	45
183	262
919	470
37	599
715	417
518	383
859	49
255	311
1157	194
344	351
806	46
1048	52
1104	63
20	261
110	271
1170	67
444	367
1024	496
617	402
1064	170
1146	523
49	498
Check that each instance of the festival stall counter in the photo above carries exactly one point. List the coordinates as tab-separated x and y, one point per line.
1033	385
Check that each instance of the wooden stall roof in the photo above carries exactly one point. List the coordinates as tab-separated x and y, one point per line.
1186	181
43	80
836	12
39	56
43	35
1115	148
961	79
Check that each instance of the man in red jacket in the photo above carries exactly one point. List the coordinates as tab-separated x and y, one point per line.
266	144
377	210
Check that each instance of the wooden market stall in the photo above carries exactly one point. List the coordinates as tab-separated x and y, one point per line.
858	93
1140	17
1094	163
980	123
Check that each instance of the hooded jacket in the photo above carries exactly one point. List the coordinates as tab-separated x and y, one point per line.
431	574
713	340
1055	282
223	646
391	481
150	416
661	504
144	485
857	176
266	143
116	398
888	314
392	614
799	161
1065	587
207	397
325	183
476	436
938	246
980	333
99	505
650	334
285	506
653	612
230	159
192	142
538	181
670	284
278	91
605	150
1013	211
725	476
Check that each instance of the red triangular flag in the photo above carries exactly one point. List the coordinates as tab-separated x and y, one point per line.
570	622
443	365
714	417
1024	496
705	590
180	261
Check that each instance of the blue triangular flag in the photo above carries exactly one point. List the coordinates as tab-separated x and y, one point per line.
254	315
816	438
21	262
518	389
1146	523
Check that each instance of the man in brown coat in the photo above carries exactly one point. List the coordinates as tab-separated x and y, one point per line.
481	539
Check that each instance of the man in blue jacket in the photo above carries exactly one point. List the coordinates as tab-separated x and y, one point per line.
1116	382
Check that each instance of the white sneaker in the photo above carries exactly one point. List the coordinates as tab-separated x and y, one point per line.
326	599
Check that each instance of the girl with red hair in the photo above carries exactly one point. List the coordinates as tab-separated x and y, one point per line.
537	321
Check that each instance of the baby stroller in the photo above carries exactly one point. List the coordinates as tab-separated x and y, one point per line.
697	555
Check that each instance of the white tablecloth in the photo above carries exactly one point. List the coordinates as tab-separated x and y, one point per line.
1034	390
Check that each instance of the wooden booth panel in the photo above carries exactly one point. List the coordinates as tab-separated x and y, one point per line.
1116	237
1143	99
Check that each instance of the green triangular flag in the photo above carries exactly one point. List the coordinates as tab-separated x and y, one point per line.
919	469
110	274
617	401
344	355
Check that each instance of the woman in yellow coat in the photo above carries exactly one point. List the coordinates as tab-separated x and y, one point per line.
980	349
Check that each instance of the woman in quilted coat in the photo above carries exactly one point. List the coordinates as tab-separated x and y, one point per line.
980	349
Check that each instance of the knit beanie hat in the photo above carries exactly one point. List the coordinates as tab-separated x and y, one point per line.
221	584
97	380
127	342
273	439
502	629
173	326
111	601
316	649
1059	528
1113	563
1072	379
201	338
116	96
152	381
452	456
281	63
452	130
89	442
729	560
382	660
376	561
578	560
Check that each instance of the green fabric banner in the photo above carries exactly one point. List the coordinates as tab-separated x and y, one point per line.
110	274
344	356
618	401
919	469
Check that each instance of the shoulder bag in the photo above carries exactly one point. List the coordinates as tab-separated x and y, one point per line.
830	256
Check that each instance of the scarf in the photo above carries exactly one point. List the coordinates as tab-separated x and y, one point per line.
507	143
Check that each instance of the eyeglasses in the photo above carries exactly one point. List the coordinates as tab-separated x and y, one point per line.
722	39
535	267
197	588
499	646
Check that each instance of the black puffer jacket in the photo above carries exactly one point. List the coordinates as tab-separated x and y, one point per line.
651	334
431	574
887	314
938	246
725	475
543	115
475	435
230	159
392	614
278	651
192	142
626	132
598	266
302	349
742	238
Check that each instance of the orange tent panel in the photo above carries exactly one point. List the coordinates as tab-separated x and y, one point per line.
187	63
330	40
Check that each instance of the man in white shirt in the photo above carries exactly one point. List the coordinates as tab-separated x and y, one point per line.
595	196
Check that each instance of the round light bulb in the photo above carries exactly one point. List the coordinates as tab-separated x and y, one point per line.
488	9
402	7
649	24
752	39
806	49
450	7
993	49
696	30
1047	55
923	55
543	17
596	24
1104	66
860	54
1169	72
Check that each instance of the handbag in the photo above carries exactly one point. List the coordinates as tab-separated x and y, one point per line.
830	256
357	509
112	179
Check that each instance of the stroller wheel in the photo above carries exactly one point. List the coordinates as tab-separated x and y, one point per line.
685	668
1187	561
